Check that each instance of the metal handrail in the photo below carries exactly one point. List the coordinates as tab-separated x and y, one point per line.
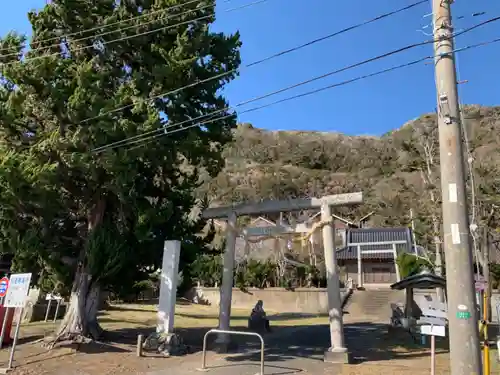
241	333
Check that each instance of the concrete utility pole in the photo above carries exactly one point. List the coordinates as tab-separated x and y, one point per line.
465	355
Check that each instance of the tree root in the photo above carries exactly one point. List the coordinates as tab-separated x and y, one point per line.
93	333
50	342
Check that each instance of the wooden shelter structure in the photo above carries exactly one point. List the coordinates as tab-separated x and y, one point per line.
422	280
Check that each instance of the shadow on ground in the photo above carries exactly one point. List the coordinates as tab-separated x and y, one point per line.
367	342
276	370
373	342
24	340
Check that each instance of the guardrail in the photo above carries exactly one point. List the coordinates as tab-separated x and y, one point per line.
240	333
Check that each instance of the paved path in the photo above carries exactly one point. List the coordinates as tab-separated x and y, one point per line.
290	351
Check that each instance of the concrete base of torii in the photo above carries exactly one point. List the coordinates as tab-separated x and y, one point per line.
340	356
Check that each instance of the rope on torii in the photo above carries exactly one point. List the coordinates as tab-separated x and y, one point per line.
305	237
316	226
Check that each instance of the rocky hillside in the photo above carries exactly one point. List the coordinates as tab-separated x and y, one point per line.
397	172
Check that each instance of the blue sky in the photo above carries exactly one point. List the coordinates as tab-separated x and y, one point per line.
371	106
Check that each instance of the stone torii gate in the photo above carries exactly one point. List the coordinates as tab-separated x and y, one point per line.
337	353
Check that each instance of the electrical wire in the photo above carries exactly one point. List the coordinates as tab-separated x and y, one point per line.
265	59
165	18
137	35
203	123
352	66
476	14
370	75
100	27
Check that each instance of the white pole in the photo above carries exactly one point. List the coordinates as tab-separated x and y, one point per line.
433	355
16	336
48	309
395	253
360	268
57	309
4	324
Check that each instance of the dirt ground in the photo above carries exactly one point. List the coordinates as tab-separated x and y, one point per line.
378	352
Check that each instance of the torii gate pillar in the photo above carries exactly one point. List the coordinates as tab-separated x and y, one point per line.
226	289
337	353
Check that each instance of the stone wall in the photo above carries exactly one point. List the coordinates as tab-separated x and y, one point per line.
37	312
36	307
300	300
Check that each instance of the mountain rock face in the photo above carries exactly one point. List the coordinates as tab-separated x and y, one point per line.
397	172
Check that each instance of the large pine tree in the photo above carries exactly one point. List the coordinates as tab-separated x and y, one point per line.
99	217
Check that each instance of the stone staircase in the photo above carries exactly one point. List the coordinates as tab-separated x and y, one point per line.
372	305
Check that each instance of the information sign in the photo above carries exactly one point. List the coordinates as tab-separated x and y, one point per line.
17	292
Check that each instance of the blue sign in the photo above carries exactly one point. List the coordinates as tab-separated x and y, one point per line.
4	284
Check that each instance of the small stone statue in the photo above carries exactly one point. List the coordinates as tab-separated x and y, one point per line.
258	320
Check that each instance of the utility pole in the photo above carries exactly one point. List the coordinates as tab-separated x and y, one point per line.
465	355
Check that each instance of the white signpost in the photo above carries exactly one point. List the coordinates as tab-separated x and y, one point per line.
52	297
433	323
19	285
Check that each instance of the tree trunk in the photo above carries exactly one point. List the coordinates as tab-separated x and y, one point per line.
80	320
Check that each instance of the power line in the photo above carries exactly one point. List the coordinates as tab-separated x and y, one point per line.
100	27
352	66
366	76
165	18
140	34
350	28
165	132
257	62
475	14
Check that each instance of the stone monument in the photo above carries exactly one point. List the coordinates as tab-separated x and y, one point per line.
165	340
